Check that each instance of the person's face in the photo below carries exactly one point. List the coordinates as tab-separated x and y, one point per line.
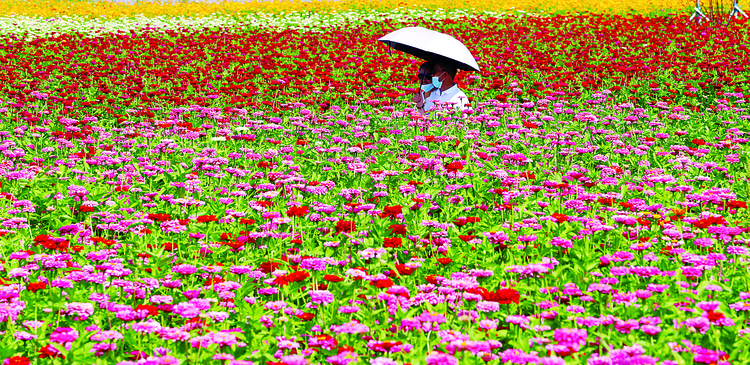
425	76
439	73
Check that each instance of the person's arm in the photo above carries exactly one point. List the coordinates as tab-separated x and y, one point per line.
421	108
420	100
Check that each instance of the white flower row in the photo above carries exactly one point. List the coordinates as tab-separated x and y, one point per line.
33	27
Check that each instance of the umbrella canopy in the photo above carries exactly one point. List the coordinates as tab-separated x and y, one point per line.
430	45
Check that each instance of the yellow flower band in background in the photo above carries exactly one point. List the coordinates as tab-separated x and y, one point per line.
54	8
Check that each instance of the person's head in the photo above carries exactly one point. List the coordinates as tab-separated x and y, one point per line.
425	73
425	76
445	72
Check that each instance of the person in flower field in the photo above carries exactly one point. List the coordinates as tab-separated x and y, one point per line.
425	86
446	90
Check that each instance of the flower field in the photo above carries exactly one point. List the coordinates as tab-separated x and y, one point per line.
258	189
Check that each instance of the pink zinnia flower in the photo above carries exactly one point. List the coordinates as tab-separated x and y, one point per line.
651	330
64	336
438	358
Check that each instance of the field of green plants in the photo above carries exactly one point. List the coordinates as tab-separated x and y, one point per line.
262	190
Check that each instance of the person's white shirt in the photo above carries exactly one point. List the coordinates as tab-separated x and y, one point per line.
452	95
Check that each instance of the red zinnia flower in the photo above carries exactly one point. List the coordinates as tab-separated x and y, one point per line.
297	276
702	224
606	201
345	226
560	218
383	284
432	279
305	317
736	204
391	212
398	229
41	238
37	285
454	166
445	260
502	296
268	267
207	218
19	360
460	222
281	281
159	217
403	270
49	351
333	278
212	281
297	211
152	310
715	316
392	242
235	245
530	125
626	205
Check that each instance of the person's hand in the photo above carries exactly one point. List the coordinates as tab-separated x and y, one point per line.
417	99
